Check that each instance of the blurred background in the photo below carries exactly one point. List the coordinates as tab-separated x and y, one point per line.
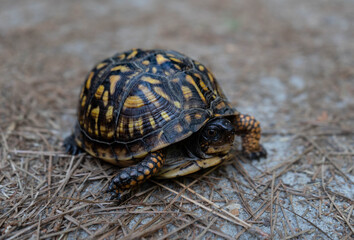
288	63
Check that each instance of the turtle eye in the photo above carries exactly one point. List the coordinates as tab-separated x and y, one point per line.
212	132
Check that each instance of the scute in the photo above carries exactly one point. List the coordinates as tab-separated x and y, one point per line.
141	101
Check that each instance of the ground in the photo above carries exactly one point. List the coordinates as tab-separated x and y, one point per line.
288	63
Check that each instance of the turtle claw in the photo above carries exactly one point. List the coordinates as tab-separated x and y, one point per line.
71	146
262	153
115	196
114	192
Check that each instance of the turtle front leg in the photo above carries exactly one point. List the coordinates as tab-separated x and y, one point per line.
136	174
250	131
71	146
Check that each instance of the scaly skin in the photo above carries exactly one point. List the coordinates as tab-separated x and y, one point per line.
250	131
136	174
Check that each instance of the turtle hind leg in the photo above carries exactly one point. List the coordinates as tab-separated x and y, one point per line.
71	146
250	131
131	176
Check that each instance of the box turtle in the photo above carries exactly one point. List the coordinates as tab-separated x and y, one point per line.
157	113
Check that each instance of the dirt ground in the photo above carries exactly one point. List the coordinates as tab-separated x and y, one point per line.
288	63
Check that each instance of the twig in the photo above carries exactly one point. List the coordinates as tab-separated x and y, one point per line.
230	217
199	237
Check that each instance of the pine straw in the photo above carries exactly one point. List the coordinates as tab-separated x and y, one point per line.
47	194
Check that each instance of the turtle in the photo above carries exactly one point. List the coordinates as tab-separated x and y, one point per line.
157	113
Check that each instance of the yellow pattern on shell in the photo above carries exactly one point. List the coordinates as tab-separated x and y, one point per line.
105	98
113	79
95	113
187	92
201	68
109	114
211	78
88	111
83	101
121	68
161	59
221	105
101	65
191	81
133	54
139	125
165	116
133	75
198	116
103	129
152	122
177	104
122	56
121	128
197	75
175	60
178	128
188	119
150	80
88	82
99	91
134	102
158	137
110	134
131	127
202	84
162	93
150	96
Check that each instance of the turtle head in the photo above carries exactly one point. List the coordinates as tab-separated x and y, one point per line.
215	138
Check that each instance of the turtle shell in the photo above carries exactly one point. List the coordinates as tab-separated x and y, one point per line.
144	100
